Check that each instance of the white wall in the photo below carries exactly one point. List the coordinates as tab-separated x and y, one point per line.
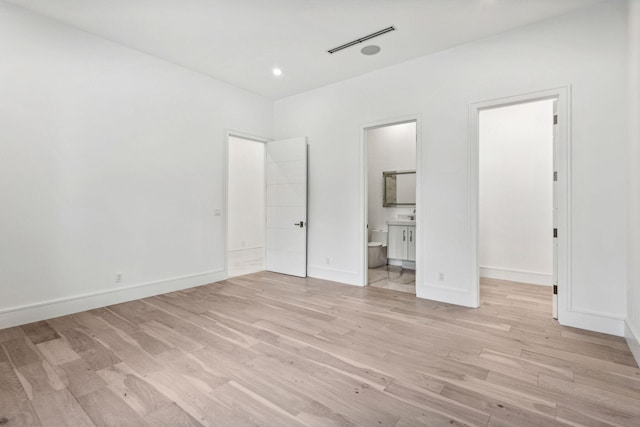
586	50
633	257
389	148
516	193
110	161
246	194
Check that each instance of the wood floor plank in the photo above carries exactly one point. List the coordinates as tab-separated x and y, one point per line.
14	402
172	415
39	332
257	408
11	334
108	410
128	349
135	391
274	350
438	403
597	395
196	400
323	358
592	410
22	351
79	377
61	409
148	343
210	376
268	383
170	337
502	412
96	355
579	418
39	378
317	414
577	361
57	351
183	308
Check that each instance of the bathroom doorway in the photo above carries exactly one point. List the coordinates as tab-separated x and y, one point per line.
246	205
390	157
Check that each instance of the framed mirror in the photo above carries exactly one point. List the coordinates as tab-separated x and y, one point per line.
399	188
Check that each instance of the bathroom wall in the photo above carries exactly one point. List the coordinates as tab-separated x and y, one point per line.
516	193
389	148
246	194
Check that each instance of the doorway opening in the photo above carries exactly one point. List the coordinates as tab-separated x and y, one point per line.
266	199
517	200
245	205
390	158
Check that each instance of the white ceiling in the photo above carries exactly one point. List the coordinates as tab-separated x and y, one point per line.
240	41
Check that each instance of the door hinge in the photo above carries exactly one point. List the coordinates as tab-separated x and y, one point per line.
555	175
555	233
555	289
555	119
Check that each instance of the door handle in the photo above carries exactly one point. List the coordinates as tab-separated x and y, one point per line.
404	235
299	224
411	235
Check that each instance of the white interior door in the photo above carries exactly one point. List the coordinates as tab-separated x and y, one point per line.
286	233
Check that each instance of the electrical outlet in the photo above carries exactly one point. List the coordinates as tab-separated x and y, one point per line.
441	276
327	260
118	277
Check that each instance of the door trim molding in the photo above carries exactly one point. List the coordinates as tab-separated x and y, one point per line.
563	161
633	340
364	237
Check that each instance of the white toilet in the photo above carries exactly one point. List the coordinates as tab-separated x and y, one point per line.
377	250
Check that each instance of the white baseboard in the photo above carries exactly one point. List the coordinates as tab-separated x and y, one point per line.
248	248
335	275
15	316
633	340
447	294
597	322
410	265
516	275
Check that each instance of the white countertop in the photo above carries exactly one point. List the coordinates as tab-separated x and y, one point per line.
401	222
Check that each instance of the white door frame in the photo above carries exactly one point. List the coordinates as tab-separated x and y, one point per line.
364	187
562	162
227	134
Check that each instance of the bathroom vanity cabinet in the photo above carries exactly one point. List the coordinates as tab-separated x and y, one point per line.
402	241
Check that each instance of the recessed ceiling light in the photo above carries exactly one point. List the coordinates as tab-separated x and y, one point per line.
370	50
277	72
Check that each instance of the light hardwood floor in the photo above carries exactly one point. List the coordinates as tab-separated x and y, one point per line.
273	350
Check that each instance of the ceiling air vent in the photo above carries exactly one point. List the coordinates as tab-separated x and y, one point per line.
362	39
